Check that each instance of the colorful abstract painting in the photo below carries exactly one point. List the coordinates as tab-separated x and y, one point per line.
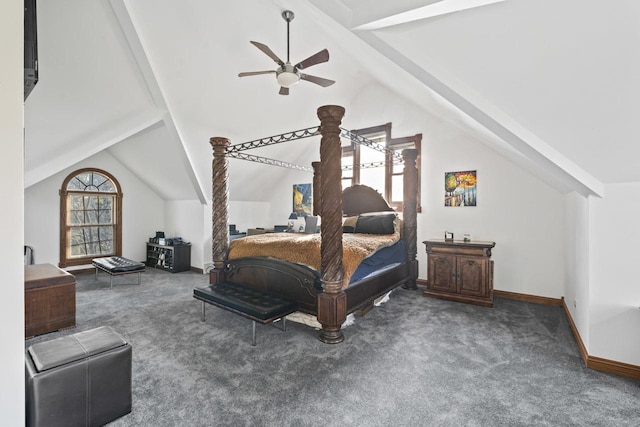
302	199
460	188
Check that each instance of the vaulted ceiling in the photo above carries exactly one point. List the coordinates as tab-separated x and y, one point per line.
553	85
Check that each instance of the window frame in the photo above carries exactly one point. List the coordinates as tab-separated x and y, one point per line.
65	260
416	140
354	149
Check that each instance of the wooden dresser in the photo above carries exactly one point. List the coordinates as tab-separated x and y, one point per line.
49	299
460	271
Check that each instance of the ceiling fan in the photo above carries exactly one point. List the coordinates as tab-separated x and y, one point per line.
289	75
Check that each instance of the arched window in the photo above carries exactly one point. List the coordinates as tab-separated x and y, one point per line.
90	217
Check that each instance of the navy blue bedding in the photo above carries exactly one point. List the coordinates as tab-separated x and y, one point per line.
390	255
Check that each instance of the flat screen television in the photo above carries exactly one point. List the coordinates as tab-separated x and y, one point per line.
30	47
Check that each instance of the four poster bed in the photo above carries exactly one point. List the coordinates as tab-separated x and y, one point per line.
321	283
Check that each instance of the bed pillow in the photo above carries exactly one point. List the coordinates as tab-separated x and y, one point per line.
349	224
376	223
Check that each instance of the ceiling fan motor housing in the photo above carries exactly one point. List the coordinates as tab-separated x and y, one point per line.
288	15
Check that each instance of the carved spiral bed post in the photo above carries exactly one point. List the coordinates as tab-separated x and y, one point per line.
220	201
317	197
409	213
332	302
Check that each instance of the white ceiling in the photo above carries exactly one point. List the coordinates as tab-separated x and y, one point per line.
568	71
551	84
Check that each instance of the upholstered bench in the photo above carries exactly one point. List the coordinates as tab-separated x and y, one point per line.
259	306
82	379
117	265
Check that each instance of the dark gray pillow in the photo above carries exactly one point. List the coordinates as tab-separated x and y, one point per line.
381	223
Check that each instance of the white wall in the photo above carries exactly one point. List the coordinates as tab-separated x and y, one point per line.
614	291
576	287
523	215
253	214
184	218
520	213
142	211
11	226
247	215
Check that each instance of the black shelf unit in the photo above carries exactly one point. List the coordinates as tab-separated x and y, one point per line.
173	259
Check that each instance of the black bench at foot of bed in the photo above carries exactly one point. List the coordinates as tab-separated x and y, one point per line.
259	306
117	265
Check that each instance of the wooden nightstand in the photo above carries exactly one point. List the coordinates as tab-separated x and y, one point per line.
460	271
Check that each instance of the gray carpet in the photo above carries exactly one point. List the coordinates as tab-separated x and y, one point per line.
411	361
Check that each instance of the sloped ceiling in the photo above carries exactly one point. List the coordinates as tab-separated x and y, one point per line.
96	93
552	85
90	93
565	71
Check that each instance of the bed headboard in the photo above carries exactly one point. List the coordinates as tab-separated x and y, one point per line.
359	199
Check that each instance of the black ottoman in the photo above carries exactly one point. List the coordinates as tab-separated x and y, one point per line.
82	379
259	306
116	266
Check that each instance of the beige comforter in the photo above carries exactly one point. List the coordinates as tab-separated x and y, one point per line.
305	248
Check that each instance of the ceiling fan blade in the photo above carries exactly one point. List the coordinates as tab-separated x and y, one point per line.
322	56
255	73
268	52
317	80
284	90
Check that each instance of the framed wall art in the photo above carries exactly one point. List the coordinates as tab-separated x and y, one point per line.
460	188
302	199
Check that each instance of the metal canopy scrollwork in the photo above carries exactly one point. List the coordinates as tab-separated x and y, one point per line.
358	139
235	151
276	139
268	161
366	166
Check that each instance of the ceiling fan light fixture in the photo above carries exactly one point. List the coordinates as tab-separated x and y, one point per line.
288	78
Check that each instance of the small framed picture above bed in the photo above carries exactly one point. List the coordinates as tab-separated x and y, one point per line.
460	188
302	199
